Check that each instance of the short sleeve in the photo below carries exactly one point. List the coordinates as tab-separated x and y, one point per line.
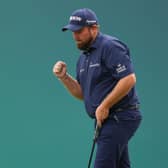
117	60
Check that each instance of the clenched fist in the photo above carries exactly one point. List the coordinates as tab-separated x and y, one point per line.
60	69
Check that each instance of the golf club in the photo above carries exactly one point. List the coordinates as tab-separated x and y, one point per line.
96	134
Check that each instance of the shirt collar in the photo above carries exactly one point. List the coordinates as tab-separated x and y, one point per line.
96	42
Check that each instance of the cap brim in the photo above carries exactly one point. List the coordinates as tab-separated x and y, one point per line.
72	27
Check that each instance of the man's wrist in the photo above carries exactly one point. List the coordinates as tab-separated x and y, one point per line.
105	104
63	78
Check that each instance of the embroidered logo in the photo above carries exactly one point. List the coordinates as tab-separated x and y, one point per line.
90	21
75	18
94	65
120	68
81	70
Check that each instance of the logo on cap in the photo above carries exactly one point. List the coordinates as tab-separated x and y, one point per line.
75	18
91	21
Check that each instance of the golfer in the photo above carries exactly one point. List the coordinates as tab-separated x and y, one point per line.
105	81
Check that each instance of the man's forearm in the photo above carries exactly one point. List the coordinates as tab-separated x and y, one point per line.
72	85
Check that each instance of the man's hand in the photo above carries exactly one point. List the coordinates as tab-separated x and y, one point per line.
60	69
102	113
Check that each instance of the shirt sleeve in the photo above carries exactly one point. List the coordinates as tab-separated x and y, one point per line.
117	60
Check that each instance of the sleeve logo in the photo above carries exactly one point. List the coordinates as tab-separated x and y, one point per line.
120	68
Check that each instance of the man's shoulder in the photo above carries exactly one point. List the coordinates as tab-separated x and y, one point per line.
109	40
108	37
112	41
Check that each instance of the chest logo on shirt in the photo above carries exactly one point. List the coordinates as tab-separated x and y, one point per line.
94	65
91	65
120	68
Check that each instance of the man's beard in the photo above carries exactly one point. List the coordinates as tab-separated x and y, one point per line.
85	45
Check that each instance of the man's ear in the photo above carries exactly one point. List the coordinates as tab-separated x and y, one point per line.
94	29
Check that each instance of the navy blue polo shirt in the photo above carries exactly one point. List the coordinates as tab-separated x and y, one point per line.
100	68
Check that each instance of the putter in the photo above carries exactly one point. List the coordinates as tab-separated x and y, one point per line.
96	134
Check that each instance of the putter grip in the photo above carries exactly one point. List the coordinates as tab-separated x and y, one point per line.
97	131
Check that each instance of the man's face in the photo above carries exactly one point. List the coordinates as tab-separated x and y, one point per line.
83	38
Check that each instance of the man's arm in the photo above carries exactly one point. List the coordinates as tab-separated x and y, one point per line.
120	90
72	85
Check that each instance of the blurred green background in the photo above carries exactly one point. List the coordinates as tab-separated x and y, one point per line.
41	125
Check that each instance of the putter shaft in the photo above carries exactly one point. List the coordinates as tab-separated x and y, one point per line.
96	135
